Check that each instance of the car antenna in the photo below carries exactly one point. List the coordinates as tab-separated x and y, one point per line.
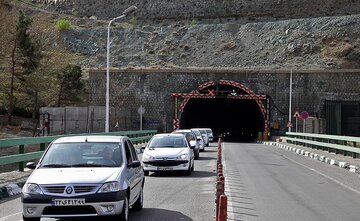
86	139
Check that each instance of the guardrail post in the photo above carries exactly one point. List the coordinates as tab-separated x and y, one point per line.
21	164
42	146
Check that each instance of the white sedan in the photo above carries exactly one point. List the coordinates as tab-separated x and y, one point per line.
168	152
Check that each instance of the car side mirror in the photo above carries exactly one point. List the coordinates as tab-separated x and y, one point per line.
31	165
134	164
143	147
139	151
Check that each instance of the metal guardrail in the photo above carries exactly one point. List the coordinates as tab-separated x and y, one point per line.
137	137
345	145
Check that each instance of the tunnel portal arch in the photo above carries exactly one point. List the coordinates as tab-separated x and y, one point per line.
222	91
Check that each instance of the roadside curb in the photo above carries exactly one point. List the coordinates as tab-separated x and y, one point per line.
315	156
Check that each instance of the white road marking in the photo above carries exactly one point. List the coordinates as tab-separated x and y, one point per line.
326	176
230	209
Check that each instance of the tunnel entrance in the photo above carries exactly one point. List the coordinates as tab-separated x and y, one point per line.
228	108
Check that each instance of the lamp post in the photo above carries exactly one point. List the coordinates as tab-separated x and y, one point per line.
125	13
290	99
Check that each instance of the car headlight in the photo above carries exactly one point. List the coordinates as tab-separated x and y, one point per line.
110	187
147	157
183	156
32	188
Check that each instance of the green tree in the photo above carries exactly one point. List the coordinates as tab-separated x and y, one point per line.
71	85
25	59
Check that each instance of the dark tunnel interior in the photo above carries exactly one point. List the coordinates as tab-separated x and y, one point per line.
239	119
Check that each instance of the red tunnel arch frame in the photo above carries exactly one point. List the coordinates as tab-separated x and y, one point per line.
179	106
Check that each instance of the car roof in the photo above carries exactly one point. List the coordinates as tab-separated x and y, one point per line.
90	138
168	134
184	130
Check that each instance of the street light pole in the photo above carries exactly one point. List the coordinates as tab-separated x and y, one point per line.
290	99
107	97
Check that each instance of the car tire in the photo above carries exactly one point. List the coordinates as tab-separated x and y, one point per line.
197	155
146	172
31	219
192	168
139	204
188	172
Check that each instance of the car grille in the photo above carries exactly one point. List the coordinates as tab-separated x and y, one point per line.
167	162
69	210
84	189
78	189
54	189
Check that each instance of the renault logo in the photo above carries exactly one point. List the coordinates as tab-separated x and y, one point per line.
69	190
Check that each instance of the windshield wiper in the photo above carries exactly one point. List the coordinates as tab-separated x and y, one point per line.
87	165
58	165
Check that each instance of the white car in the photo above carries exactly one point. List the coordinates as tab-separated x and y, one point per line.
192	137
82	176
168	152
200	139
210	134
204	134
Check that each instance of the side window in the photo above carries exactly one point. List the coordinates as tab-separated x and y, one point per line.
133	151
128	152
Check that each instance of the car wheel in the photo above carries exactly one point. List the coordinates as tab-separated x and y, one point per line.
188	172
146	172
197	155
192	168
31	219
138	205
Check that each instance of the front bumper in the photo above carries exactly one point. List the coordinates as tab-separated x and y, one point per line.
166	165
99	204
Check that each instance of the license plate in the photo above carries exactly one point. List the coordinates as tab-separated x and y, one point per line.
68	202
165	168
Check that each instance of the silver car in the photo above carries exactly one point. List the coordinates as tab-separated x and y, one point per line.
83	176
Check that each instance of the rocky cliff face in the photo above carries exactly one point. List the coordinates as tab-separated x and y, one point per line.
205	9
313	43
206	33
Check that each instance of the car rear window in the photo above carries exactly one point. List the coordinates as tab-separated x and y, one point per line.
83	155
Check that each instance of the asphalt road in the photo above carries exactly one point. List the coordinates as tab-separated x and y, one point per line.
262	183
167	196
268	183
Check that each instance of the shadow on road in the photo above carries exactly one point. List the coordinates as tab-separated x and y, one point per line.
206	158
153	214
146	214
182	175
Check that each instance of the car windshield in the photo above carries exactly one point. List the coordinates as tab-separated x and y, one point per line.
82	155
191	135
168	141
197	133
209	131
203	132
